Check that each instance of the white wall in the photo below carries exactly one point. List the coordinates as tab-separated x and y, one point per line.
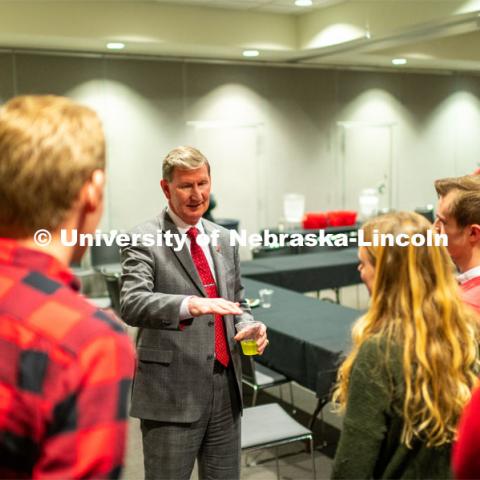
146	107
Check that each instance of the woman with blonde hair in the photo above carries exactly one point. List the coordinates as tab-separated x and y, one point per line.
413	363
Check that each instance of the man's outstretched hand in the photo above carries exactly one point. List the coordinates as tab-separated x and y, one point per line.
203	306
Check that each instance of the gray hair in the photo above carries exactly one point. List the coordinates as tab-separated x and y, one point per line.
187	158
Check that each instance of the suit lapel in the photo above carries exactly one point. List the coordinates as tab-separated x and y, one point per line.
182	255
217	258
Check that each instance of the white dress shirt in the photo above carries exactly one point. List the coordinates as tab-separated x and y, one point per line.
468	275
183	228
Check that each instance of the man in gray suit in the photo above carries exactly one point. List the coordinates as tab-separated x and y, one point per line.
185	301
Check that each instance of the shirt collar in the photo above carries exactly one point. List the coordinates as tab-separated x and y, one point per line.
468	275
183	227
13	253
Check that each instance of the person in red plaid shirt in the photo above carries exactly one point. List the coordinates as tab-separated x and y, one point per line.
65	366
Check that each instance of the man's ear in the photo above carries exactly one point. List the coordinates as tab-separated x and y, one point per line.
93	191
166	188
475	233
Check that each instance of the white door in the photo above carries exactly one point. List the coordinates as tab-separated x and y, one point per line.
365	162
237	171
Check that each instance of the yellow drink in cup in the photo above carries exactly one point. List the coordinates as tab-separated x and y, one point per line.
249	342
249	347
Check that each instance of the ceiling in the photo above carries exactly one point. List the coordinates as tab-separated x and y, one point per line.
433	35
275	6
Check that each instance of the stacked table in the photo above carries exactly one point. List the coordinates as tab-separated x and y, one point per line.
332	268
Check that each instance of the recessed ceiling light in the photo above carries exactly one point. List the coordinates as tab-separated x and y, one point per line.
399	61
303	3
115	46
251	53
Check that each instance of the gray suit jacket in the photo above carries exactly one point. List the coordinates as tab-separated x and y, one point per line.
174	375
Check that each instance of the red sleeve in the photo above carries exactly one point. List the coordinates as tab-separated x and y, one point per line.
466	452
87	434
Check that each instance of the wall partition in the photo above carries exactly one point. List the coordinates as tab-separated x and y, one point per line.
267	130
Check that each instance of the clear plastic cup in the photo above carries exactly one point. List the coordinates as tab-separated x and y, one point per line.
266	297
249	343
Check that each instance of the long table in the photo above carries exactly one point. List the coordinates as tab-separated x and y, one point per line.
300	273
306	335
309	272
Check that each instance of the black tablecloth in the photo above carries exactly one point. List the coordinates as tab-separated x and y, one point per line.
306	335
305	273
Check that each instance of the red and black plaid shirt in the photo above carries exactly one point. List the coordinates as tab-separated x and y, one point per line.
65	373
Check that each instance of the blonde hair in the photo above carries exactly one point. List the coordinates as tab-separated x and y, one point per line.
187	158
49	147
415	305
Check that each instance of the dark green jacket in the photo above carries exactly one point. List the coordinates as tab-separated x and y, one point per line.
370	444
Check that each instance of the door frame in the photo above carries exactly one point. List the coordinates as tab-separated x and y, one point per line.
342	126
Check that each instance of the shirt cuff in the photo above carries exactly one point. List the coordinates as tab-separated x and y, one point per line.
184	311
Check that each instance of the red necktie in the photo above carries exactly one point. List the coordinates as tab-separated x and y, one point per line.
208	281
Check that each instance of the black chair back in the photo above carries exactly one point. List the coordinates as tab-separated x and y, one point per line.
104	255
228	223
427	212
113	288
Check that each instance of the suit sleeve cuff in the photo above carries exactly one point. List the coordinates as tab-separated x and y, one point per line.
184	311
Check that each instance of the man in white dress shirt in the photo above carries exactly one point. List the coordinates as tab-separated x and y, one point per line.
186	301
